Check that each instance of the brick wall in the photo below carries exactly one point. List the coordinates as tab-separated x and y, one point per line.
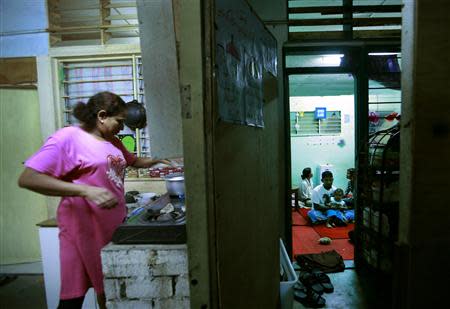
146	276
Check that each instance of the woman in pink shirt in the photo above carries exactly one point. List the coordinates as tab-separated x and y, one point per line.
85	165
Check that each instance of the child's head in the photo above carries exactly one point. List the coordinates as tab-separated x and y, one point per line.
338	194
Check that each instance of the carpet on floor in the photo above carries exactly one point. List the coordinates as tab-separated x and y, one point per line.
298	219
305	241
339	232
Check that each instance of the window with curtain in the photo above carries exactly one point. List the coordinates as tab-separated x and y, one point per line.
82	78
305	124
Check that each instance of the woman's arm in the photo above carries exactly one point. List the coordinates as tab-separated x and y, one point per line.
48	185
148	162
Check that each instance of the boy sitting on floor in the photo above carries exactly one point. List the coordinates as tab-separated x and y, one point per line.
323	211
321	196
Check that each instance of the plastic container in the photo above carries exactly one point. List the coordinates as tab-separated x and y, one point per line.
287	287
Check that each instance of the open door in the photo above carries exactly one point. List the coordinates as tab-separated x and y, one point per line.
234	156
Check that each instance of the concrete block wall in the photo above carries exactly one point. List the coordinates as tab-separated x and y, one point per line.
146	276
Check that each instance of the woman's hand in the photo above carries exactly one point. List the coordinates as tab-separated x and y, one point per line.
165	161
102	197
48	185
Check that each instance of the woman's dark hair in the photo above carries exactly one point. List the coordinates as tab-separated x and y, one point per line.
108	101
306	172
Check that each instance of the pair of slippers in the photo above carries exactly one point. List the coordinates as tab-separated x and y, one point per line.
310	287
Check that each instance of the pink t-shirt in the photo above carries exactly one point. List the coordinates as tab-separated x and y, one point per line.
73	155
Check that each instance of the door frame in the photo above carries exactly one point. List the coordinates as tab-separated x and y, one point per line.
359	53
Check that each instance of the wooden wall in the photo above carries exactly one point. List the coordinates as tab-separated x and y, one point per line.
235	182
425	149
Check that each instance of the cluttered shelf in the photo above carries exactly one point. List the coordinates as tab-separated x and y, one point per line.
380	202
152	173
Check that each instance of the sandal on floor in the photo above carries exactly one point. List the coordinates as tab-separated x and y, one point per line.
312	299
311	282
324	280
300	291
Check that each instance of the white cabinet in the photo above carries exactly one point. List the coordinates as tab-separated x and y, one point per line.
48	237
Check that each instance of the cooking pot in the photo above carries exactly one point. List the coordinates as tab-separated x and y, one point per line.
136	116
175	184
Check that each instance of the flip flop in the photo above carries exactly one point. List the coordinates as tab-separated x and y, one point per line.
300	291
310	281
324	280
312	299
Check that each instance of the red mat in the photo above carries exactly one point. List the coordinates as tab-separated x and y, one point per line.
334	233
298	219
305	241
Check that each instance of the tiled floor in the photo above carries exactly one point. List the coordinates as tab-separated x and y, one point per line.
350	292
23	292
34	268
27	291
22	286
347	292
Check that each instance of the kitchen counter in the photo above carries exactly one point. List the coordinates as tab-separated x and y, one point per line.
49	242
48	223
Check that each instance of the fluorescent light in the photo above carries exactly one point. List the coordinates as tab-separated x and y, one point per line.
383	54
332	60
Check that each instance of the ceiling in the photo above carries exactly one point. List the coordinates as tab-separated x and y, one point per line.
381	20
325	19
85	22
92	21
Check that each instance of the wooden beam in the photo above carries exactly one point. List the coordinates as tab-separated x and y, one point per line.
118	5
93	27
347	6
80	19
356	22
122	17
54	20
328	10
80	36
78	5
339	35
75	24
105	14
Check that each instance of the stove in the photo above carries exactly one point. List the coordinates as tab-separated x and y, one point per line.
163	221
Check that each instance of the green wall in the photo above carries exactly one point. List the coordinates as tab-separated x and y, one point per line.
20	210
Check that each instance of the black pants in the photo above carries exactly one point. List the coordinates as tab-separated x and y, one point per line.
73	303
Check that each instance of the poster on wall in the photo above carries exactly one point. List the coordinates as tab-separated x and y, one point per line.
245	50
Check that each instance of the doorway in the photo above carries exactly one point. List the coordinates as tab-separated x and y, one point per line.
322	126
368	74
322	137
